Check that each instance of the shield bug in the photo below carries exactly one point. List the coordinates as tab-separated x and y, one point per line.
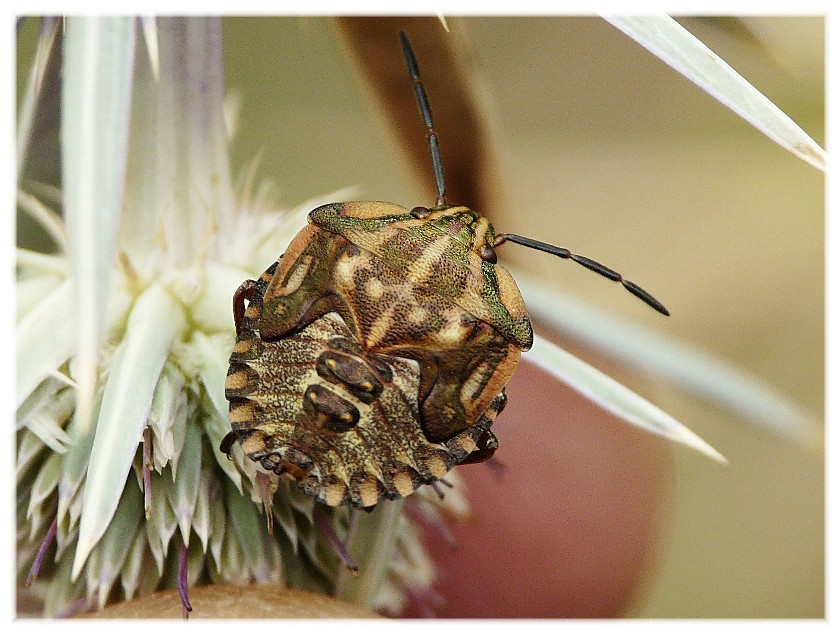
373	355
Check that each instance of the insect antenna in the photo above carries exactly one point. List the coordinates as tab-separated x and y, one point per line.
426	111
592	265
437	165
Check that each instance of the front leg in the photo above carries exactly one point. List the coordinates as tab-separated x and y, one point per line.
301	290
457	385
485	448
252	291
244	293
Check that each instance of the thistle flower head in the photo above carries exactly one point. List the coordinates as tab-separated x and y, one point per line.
122	487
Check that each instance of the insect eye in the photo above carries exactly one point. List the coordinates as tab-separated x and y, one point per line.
488	254
420	212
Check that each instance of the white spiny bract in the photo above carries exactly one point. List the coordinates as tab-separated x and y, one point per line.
117	499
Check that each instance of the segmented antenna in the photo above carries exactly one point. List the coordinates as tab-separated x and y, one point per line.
426	111
437	164
592	265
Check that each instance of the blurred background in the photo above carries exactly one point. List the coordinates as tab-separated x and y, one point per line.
602	148
588	141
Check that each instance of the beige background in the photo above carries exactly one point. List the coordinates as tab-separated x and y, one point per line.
605	150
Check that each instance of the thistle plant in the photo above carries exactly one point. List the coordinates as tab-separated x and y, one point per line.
122	487
123	339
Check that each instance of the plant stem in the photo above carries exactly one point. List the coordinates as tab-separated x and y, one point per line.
372	549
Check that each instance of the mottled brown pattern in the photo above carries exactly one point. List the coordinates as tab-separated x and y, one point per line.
420	249
340	419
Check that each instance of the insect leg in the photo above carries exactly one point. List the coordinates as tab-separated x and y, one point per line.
486	447
458	385
244	293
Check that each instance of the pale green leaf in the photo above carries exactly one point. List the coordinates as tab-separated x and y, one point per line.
248	526
161	524
182	411
212	310
29	292
211	355
32	92
48	419
411	565
284	517
232	568
299	501
195	564
135	561
95	109
74	467
39	521
182	493
30	448
45	482
613	396
46	217
149	581
150	36
62	593
218	521
201	521
44	339
118	539
74	512
678	48
33	262
317	551
65	537
155	322
46	391
372	549
44	426
700	373
166	409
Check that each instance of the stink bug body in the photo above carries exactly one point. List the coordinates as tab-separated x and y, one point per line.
373	355
340	419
